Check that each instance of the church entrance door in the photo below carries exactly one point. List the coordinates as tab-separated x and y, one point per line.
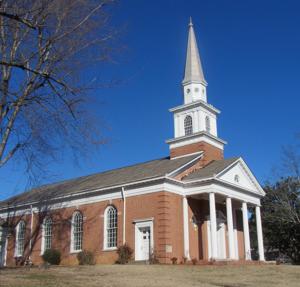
143	240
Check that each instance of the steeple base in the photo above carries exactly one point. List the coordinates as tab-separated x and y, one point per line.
210	152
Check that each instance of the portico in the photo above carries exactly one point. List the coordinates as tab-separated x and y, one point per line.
219	221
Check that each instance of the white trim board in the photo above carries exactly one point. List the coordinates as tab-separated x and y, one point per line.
182	189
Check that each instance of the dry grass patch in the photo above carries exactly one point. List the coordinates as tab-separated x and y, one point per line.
153	275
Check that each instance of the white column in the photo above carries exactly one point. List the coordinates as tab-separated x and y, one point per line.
246	232
259	234
180	126
186	240
213	225
176	126
230	228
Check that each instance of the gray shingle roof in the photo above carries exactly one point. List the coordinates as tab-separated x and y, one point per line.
115	177
214	167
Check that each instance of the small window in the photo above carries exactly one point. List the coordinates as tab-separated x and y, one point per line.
111	227
207	124
188	125
47	234
77	231
236	178
20	239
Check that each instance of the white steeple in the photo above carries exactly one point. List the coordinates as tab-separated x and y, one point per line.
195	122
194	84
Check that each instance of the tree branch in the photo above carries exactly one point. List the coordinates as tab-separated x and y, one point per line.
18	19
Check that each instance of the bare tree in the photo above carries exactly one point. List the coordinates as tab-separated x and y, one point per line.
281	207
291	160
45	46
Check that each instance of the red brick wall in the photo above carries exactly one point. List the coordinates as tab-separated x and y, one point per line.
240	234
92	230
164	207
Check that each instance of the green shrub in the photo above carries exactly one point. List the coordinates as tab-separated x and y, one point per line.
125	253
86	258
52	256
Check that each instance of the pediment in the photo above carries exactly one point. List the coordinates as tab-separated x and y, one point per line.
239	174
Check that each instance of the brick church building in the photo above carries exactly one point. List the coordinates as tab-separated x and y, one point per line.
192	204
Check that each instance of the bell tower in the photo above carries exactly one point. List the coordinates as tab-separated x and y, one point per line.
195	122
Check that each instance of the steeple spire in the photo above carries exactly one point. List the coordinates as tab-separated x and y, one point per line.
195	121
193	68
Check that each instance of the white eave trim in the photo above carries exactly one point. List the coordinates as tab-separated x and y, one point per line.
185	155
223	182
195	104
185	165
202	133
214	180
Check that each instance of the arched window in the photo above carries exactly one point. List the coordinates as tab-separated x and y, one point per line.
207	124
77	231
111	227
188	125
47	234
20	239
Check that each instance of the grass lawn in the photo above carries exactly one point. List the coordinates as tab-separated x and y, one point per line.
153	275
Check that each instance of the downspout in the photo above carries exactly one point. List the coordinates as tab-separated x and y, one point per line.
124	215
31	228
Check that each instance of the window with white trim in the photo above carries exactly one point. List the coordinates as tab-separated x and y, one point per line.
77	231
207	124
20	239
111	227
188	125
47	234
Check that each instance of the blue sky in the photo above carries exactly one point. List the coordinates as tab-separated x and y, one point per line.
250	53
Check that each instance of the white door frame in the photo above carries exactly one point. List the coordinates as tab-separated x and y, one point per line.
140	224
